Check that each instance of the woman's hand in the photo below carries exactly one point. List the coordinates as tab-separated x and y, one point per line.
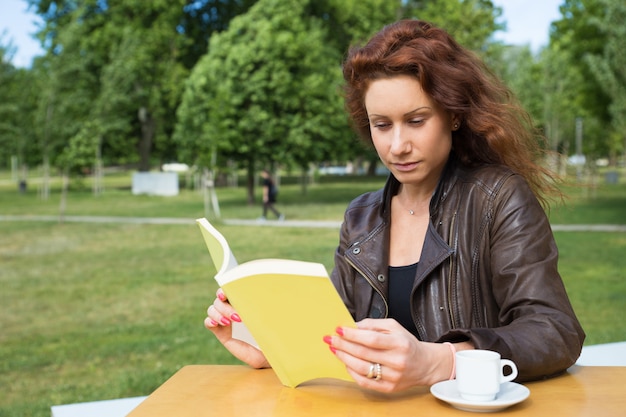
405	361
220	316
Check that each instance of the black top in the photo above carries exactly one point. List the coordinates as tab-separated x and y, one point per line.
400	285
272	191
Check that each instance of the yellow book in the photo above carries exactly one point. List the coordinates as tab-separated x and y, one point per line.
287	306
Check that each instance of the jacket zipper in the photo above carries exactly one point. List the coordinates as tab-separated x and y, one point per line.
451	274
371	284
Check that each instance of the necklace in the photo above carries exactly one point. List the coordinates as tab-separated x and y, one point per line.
411	212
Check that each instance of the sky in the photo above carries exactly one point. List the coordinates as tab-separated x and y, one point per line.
18	26
527	22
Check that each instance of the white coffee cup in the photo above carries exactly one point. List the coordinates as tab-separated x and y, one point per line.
479	374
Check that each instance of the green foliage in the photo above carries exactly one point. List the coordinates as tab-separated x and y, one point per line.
470	22
524	75
143	75
122	64
585	43
609	68
356	20
266	91
563	98
201	19
69	83
18	99
579	75
80	154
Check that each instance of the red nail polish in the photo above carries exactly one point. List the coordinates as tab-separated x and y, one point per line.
235	317
221	296
213	323
225	321
339	331
332	349
328	340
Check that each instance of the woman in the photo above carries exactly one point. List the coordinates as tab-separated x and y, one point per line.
455	252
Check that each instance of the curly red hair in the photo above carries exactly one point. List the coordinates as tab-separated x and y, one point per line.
494	129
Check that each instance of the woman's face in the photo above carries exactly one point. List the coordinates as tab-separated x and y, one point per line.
412	135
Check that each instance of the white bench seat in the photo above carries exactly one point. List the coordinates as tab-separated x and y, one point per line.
119	407
606	354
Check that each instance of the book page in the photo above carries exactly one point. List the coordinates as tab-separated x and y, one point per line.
224	260
217	245
285	267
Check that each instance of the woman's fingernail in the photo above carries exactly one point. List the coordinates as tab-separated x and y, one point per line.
214	323
235	317
328	340
332	349
221	296
225	321
339	331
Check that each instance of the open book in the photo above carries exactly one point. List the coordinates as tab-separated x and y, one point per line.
288	307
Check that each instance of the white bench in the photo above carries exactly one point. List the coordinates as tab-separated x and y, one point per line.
119	407
607	354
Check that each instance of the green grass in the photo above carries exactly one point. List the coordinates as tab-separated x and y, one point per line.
322	201
97	311
593	267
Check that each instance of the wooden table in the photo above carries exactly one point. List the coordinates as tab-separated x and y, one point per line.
232	390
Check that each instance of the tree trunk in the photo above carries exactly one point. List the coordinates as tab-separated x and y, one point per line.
45	182
98	186
371	169
148	129
64	190
304	180
250	181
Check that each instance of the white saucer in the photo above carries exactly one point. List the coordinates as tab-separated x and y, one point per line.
510	393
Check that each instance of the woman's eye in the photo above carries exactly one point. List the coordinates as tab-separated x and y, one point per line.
416	121
381	125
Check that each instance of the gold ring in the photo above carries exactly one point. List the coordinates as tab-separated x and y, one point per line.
375	372
379	372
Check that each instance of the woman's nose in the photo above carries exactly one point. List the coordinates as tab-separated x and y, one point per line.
399	142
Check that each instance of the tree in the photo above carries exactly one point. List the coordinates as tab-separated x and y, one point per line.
354	21
230	92
122	63
470	22
572	39
266	92
9	146
609	69
130	59
201	19
523	74
142	77
69	87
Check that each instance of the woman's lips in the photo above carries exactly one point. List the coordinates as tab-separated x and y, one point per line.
405	167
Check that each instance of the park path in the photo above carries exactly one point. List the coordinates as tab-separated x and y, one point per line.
266	223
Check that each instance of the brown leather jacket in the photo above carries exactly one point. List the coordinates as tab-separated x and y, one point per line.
487	272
